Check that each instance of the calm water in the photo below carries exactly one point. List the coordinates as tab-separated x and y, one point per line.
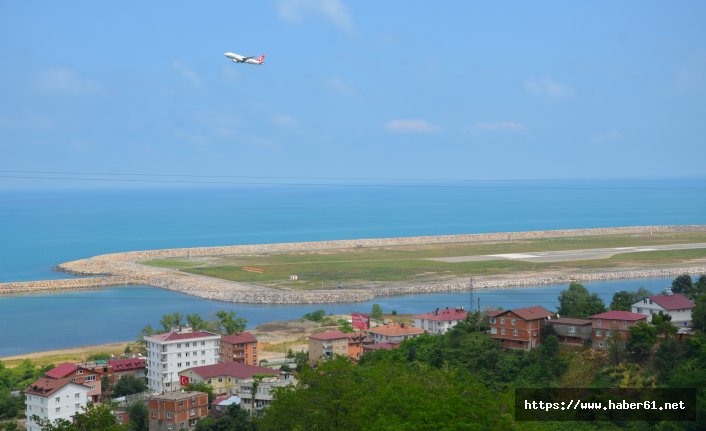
39	229
117	314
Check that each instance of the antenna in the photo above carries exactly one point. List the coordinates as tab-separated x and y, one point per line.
471	289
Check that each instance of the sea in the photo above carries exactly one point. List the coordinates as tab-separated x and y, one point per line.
42	228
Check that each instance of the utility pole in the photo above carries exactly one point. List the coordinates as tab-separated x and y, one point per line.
471	288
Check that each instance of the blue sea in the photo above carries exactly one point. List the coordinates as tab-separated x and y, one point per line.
41	228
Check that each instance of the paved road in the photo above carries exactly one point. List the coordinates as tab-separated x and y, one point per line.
568	255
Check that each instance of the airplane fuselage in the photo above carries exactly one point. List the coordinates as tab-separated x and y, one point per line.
237	58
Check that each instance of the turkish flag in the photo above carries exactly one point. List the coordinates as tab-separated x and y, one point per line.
184	380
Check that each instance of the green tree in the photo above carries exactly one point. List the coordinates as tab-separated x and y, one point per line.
700	286
315	316
234	419
137	412
128	385
642	338
170	321
663	324
698	314
577	301
9	426
196	322
622	299
376	312
94	418
202	387
229	324
683	284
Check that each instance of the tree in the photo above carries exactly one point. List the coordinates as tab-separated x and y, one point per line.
128	385
663	324
234	419
315	316
229	323
137	412
202	387
683	284
642	338
698	314
622	299
94	418
577	301
170	321
376	312
196	322
700	286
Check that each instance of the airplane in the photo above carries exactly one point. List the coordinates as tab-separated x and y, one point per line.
237	58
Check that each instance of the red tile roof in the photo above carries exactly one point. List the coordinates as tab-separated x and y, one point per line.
446	314
61	370
173	336
570	321
673	302
619	315
46	387
493	313
529	313
382	346
242	338
233	369
329	335
395	329
127	364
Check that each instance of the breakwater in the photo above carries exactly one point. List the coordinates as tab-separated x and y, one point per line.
124	269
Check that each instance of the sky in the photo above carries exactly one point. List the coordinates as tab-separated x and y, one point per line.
364	89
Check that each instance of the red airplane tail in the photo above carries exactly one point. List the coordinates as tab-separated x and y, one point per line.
262	58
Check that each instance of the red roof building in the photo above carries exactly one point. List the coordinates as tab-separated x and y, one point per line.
54	399
677	306
241	348
394	333
613	324
440	321
520	328
224	377
120	368
326	345
79	375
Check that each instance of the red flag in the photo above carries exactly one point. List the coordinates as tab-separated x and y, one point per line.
360	321
184	380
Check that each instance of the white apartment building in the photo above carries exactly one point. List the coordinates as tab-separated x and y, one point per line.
52	399
676	305
172	352
440	321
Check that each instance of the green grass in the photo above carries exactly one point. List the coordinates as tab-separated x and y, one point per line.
352	267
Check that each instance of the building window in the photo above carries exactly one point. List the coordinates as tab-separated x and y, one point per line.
58	409
90	378
600	344
492	320
502	331
608	332
193	412
572	329
79	371
639	310
179	364
625	324
179	355
514	332
203	343
598	332
76	396
220	380
512	322
169	415
178	345
77	406
599	322
181	403
502	320
154	413
188	364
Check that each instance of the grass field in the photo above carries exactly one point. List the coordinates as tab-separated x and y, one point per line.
351	267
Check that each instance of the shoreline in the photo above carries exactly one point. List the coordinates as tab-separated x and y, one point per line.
118	269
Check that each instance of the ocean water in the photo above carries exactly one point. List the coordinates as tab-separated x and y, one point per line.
41	228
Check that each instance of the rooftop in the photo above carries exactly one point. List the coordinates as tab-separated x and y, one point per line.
676	301
329	335
46	387
382	346
619	315
570	321
176	336
396	329
176	395
446	314
529	313
127	364
61	370
233	369
243	337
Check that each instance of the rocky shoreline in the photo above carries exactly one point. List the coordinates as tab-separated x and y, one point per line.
124	269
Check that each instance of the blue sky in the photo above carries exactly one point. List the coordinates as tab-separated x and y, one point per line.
394	89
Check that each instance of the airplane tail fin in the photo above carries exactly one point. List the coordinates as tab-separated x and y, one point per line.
262	58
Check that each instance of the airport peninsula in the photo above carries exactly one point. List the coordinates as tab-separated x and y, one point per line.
361	269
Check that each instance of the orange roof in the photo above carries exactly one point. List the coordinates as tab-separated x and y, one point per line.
396	329
45	387
330	335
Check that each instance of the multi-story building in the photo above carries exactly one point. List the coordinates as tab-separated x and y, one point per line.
255	402
439	321
326	345
127	367
393	333
176	411
223	377
572	331
172	352
81	375
241	348
53	400
676	305
613	324
520	328
356	344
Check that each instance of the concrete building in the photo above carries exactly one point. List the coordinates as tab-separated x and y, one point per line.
676	305
172	352
54	399
613	323
520	328
241	348
81	375
572	331
225	376
264	389
326	345
440	321
134	367
393	333
176	411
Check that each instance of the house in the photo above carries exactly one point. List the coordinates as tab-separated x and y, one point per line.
440	321
224	376
326	345
356	344
81	375
674	304
520	328
175	351
176	410
613	323
134	367
221	403
572	331
240	347
393	333
54	399
264	388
